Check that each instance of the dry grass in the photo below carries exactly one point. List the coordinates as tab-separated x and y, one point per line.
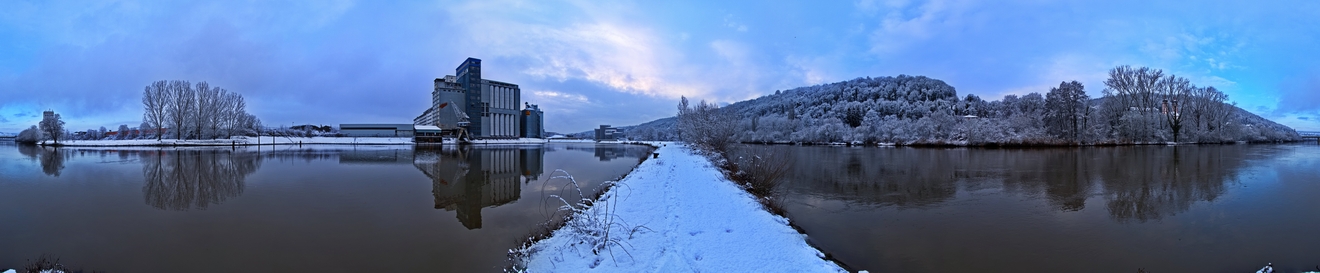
596	228
760	171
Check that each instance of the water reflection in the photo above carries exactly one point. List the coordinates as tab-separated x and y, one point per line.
1137	183
52	160
466	180
182	179
607	152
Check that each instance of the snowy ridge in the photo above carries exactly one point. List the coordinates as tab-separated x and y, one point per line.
679	214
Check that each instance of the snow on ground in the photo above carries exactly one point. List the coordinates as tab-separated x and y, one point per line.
9	271
677	213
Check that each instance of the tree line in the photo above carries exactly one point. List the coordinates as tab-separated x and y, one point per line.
1138	105
177	109
187	111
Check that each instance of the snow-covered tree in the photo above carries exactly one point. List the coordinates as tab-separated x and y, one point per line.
1068	110
123	132
29	135
53	126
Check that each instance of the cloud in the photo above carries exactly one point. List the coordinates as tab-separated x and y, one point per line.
597	46
903	24
731	23
1300	95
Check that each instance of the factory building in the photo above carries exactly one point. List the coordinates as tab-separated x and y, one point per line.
485	108
531	120
376	130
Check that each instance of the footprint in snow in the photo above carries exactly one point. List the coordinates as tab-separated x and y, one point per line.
694	233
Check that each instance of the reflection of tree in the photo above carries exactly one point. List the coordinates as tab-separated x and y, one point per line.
29	150
1145	184
187	179
1139	183
466	180
900	177
52	159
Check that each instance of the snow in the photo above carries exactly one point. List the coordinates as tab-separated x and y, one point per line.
9	271
677	213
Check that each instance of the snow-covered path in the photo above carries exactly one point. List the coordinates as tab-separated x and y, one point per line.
695	221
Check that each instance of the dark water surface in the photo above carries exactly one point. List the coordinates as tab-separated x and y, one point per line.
290	209
1213	208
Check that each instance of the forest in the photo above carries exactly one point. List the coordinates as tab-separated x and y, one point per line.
1137	105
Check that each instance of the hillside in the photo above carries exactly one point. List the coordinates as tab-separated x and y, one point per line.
921	110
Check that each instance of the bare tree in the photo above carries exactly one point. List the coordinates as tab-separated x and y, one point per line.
155	100
203	112
234	111
53	126
1174	91
183	105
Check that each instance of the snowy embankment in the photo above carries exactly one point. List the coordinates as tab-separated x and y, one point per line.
677	213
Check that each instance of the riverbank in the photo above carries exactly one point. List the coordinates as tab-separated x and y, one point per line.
676	213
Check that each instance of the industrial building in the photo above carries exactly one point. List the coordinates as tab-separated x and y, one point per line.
482	108
376	130
606	132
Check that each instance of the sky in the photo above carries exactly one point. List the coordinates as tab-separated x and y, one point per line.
588	63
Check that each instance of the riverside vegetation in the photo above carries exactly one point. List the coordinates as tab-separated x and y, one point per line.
1137	105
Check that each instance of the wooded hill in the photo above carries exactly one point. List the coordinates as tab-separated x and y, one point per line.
1139	105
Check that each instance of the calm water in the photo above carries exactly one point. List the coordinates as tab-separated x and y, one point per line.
309	209
1216	208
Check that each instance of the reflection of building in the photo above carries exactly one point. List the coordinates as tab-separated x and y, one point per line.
608	152
488	109
611	151
467	180
376	156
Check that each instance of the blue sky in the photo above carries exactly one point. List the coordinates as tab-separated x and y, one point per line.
626	62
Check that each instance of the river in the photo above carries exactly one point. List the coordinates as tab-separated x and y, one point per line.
288	208
1207	208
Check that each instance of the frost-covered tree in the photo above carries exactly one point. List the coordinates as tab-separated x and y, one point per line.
706	125
53	127
123	132
29	135
1067	110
